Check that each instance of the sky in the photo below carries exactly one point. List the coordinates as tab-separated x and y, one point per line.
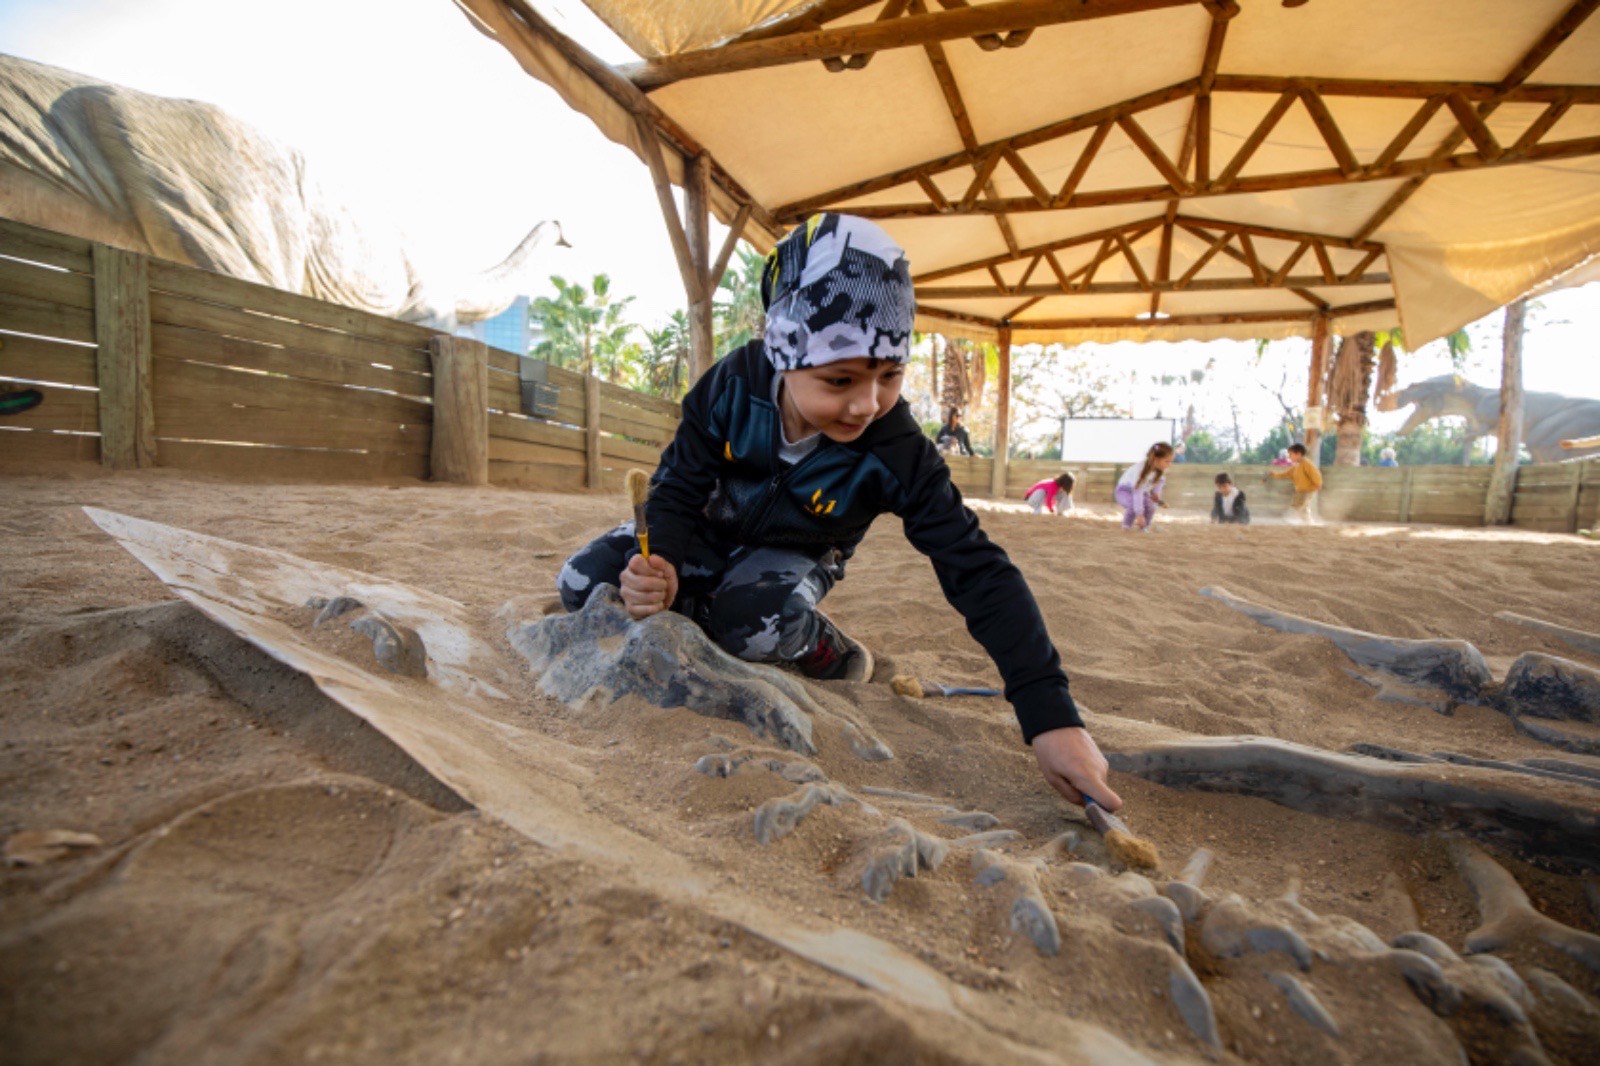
420	118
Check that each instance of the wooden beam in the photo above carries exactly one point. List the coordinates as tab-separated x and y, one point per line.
669	208
1151	151
1574	94
1202	141
1002	418
1331	134
1577	148
1321	353
960	317
1508	440
1220	319
1279	232
1361	309
1357	270
1531	136
1476	91
979	179
1474	127
1279	108
1061	275
1001	16
1021	307
1108	288
697	224
1087	273
735	231
1324	263
1081	167
1216	246
970	157
1408	133
1029	178
1133	261
1248	247
1293	257
1134	230
935	197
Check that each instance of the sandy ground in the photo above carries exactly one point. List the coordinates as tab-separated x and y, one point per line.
277	882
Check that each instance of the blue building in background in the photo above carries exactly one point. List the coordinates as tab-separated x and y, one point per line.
510	330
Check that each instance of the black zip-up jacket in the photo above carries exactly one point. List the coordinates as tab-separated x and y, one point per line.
721	476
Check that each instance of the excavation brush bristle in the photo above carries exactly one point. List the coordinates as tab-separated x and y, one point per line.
1136	853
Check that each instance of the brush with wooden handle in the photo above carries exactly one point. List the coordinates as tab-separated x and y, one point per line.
1136	853
907	685
638	483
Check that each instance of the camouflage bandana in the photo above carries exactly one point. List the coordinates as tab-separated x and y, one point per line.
837	288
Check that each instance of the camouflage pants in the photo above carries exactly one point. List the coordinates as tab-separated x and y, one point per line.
759	604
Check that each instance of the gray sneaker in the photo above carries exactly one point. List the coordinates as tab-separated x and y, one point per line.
836	657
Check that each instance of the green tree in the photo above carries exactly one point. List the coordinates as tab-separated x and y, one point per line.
586	329
1046	389
666	358
738	316
1202	447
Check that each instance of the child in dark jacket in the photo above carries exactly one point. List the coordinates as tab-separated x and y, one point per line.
1228	506
788	449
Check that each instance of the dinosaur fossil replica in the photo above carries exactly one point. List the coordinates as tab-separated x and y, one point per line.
185	181
1548	418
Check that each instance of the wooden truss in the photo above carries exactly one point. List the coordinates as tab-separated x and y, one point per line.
964	183
1195	173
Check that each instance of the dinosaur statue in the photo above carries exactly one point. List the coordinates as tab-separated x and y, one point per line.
184	181
1547	417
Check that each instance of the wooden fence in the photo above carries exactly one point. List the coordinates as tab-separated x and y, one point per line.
146	363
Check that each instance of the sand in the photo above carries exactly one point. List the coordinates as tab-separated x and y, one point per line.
278	882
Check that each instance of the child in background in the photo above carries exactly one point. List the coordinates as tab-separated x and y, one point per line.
1053	493
1228	506
1307	481
1139	488
788	449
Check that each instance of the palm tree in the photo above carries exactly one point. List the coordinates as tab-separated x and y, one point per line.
584	329
666	355
739	315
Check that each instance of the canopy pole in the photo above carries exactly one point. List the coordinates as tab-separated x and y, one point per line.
1503	482
1321	350
1002	417
697	224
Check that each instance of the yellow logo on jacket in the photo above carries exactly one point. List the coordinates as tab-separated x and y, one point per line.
818	507
727	450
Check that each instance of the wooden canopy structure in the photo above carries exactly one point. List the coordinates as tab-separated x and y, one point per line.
1100	170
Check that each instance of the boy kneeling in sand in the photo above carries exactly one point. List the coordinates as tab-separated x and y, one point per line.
787	452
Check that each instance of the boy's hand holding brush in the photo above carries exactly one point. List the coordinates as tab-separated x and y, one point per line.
1071	761
650	583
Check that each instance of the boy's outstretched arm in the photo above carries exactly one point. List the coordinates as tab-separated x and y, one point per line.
1071	762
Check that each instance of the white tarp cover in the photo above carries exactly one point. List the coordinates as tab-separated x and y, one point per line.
1465	243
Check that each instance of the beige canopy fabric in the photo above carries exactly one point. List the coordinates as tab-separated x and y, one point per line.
1099	170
